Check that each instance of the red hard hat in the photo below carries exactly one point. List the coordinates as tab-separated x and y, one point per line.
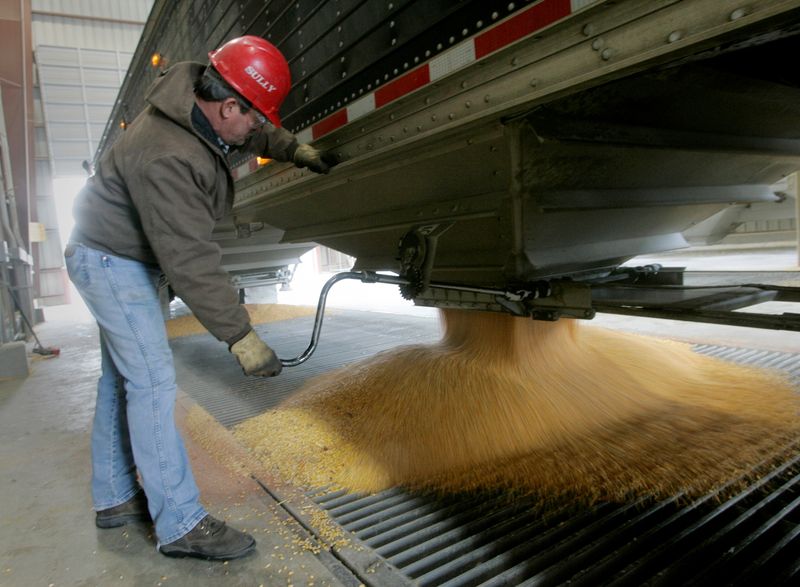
257	70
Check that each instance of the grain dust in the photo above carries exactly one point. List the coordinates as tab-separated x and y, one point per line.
553	408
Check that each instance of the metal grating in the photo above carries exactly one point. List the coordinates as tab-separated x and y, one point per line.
465	541
213	379
749	538
788	363
479	540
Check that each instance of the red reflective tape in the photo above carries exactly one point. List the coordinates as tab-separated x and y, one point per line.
534	18
326	125
402	85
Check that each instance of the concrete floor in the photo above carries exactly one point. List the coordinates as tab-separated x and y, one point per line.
47	532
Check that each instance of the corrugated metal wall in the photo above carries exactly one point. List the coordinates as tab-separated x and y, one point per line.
78	87
110	9
82	50
104	30
50	278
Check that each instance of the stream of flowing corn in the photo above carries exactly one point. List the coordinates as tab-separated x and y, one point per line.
559	409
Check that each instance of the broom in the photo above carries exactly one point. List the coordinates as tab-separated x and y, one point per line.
38	348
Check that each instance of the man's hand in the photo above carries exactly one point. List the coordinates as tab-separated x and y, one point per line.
316	160
255	357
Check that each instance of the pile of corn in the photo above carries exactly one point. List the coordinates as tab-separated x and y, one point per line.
553	408
259	314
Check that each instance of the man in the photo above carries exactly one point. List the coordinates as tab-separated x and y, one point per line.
149	209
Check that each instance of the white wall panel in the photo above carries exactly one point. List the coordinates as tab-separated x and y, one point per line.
62	112
96	131
101	96
52	284
136	10
39	142
56	57
46	211
67	168
43	183
100	113
71	32
63	95
78	88
68	131
69	149
82	49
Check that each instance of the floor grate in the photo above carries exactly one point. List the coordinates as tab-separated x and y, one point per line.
752	537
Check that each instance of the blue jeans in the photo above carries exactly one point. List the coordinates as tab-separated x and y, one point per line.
134	423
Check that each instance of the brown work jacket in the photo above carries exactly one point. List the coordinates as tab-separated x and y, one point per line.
158	192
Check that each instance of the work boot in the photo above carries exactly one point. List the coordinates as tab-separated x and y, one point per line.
211	539
133	510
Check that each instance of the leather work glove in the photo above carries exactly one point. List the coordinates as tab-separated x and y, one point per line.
255	357
316	160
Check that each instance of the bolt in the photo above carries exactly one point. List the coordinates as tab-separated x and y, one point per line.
588	30
738	13
534	82
451	116
607	54
514	61
598	43
486	98
468	104
674	36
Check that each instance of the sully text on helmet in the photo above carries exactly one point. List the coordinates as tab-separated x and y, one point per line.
259	79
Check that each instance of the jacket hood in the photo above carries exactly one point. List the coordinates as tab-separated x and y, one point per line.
173	92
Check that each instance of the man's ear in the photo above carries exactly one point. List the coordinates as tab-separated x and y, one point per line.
226	107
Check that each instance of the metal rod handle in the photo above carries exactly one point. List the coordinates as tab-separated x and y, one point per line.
372	277
366	277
